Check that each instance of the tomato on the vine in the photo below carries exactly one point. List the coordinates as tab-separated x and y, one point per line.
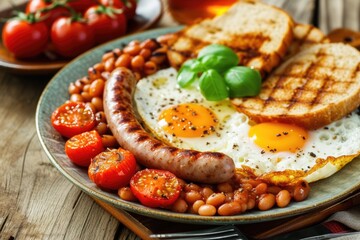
24	36
112	3
112	169
81	5
107	23
130	8
49	10
83	147
71	37
73	118
155	188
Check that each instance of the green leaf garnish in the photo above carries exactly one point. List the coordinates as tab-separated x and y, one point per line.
243	81
218	57
186	77
212	86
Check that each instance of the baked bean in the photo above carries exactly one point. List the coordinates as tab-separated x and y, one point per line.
97	88
100	117
216	199
93	73
107	56
196	205
145	53
229	196
151	44
117	52
207	210
224	187
206	192
301	191
86	96
250	203
241	195
86	87
101	128
76	98
229	209
134	42
247	186
192	186
72	89
79	83
266	201
137	62
124	60
99	67
98	103
133	50
109	141
126	194
283	198
180	206
260	189
273	189
150	67
109	64
192	196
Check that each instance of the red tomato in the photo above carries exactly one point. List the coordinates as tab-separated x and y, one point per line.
112	169
70	37
106	23
81	5
73	118
25	39
49	11
130	8
155	188
112	3
83	147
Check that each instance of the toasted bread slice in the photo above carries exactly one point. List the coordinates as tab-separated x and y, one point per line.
312	89
305	35
259	33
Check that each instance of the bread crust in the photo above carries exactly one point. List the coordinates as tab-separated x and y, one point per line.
260	43
317	86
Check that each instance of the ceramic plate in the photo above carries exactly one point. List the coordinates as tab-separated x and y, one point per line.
147	14
323	193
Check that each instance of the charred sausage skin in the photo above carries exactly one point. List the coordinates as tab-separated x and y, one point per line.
191	165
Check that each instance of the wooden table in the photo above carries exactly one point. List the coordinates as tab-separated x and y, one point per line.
36	201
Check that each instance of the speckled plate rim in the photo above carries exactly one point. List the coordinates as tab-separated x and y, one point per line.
323	193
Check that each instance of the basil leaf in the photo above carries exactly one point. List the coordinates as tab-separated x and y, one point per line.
188	64
218	57
186	77
243	81
212	86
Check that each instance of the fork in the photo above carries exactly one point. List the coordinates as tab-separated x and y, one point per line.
226	232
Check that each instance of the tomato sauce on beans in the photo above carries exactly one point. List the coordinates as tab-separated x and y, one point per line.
242	193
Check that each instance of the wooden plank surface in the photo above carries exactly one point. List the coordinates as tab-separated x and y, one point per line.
36	201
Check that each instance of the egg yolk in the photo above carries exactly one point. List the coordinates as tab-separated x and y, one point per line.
278	137
188	120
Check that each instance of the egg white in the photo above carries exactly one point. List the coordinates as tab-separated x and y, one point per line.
160	91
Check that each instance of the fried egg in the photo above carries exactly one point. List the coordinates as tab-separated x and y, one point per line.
280	153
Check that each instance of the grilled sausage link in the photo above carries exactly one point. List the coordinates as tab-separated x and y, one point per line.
204	167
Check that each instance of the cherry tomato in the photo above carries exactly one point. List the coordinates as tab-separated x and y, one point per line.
106	22
73	118
155	188
130	8
49	10
71	37
25	39
83	147
112	169
81	5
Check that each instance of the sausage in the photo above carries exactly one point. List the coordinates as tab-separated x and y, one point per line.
191	165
